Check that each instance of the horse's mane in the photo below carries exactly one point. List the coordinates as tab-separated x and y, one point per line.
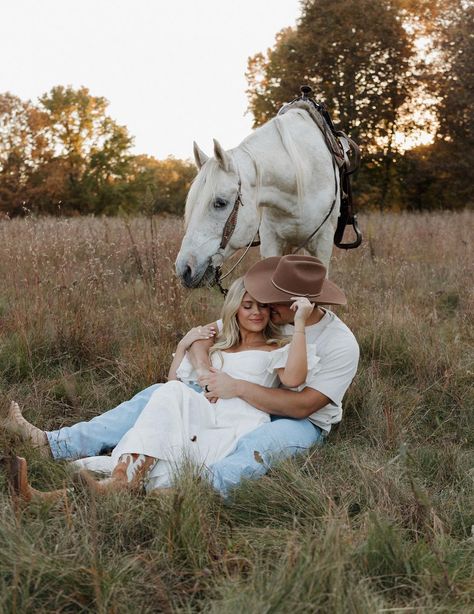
258	169
289	145
292	150
205	182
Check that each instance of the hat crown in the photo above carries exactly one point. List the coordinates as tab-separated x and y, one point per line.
277	278
299	276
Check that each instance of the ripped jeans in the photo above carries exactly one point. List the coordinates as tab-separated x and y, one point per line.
255	453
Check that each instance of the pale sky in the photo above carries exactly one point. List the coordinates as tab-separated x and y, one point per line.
172	70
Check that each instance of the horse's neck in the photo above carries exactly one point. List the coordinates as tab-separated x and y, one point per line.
261	150
264	162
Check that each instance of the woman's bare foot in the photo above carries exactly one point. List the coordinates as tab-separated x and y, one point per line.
12	421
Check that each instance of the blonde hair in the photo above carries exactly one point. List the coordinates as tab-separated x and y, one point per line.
230	334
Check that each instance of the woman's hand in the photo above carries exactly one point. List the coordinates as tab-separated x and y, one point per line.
302	308
196	334
218	385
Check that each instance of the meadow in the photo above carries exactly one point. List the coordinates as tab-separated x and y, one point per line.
379	519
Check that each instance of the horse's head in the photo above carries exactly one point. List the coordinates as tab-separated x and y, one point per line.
211	199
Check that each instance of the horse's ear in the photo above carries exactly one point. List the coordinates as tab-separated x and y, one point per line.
199	156
221	156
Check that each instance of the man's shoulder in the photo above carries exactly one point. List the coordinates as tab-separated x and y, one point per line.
338	335
336	324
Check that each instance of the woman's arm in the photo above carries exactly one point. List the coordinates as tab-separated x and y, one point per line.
195	334
296	369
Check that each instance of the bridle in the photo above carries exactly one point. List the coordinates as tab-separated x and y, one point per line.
228	231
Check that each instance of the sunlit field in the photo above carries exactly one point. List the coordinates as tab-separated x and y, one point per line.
379	519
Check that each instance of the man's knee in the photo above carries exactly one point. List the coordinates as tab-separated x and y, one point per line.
245	464
260	449
280	435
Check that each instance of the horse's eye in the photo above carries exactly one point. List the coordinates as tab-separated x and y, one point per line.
220	203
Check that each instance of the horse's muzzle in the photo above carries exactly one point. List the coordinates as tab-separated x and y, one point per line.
190	278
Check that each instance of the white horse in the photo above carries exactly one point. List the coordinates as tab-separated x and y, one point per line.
282	182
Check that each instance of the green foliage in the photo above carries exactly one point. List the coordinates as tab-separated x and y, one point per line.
361	59
161	185
66	155
456	109
357	61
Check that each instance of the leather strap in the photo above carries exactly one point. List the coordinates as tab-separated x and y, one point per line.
231	221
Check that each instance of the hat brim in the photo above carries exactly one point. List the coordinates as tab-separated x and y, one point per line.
258	283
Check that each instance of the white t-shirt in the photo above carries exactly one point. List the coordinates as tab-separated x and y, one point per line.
338	351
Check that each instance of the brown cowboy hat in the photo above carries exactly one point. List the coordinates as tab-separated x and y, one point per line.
277	279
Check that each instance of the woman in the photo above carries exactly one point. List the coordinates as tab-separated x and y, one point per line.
179	424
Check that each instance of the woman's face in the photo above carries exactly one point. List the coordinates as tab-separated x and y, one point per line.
252	315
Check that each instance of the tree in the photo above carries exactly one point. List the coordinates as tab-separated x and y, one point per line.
456	106
91	147
24	147
67	156
358	58
355	55
167	180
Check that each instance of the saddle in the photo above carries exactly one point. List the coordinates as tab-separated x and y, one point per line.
346	155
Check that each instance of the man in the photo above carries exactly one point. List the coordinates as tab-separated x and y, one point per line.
300	419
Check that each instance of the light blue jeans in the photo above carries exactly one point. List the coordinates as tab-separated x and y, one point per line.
255	453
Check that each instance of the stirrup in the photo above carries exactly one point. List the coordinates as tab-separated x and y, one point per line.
351	221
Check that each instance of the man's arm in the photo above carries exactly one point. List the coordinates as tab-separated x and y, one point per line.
280	402
276	401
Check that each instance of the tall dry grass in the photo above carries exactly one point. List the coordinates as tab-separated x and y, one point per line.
379	519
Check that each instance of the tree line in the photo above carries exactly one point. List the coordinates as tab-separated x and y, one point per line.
66	155
397	75
390	72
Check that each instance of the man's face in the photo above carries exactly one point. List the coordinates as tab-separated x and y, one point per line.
281	313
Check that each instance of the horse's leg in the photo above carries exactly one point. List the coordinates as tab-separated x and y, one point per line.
270	243
321	245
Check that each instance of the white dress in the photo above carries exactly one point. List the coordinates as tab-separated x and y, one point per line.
179	425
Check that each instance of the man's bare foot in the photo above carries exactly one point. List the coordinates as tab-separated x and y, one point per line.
12	421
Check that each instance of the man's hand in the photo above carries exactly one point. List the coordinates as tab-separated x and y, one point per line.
302	308
203	378
202	372
219	385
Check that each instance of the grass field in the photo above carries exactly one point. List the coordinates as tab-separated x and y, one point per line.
380	519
